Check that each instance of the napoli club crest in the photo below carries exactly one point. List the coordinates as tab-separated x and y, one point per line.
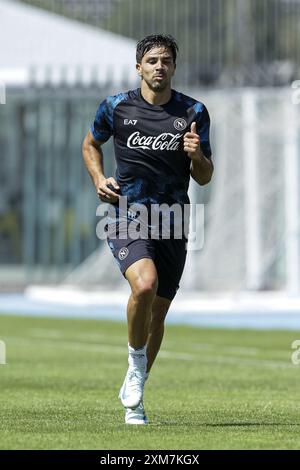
123	253
180	124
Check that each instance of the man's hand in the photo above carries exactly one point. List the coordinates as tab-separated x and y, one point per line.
191	142
105	193
201	167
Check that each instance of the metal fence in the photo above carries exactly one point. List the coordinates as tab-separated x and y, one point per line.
47	204
222	43
251	221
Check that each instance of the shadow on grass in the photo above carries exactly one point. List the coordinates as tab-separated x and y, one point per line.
219	425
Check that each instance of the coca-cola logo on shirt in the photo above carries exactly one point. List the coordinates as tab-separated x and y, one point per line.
164	141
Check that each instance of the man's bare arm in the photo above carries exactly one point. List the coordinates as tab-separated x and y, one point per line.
202	170
201	167
93	159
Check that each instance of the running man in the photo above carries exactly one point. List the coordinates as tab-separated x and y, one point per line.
161	138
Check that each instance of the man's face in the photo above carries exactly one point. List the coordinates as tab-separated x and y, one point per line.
157	68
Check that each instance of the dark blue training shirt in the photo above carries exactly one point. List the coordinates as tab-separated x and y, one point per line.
152	166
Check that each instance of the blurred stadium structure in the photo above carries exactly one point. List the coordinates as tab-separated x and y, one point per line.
239	57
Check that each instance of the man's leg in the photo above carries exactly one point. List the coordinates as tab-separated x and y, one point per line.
142	277
160	309
169	262
147	316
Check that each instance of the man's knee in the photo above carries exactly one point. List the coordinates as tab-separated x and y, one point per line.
144	287
142	277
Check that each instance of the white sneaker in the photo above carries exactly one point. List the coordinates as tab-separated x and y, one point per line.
136	416
131	392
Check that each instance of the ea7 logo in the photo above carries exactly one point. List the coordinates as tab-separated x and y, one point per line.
127	122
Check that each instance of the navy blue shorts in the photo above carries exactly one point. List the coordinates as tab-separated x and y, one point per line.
168	256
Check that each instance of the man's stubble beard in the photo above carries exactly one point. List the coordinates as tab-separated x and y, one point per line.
158	87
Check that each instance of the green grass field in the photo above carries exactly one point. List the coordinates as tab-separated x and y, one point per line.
209	389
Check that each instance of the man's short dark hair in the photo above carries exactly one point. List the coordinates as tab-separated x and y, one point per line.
156	40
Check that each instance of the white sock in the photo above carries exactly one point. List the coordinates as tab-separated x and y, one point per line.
137	357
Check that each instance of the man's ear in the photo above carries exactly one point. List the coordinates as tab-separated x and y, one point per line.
138	69
174	69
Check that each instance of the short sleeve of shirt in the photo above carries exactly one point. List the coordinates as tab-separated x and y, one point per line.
102	128
203	127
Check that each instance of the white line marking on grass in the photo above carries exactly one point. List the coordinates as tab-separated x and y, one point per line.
200	358
236	350
248	362
100	338
102	348
173	355
86	337
45	333
108	349
231	349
